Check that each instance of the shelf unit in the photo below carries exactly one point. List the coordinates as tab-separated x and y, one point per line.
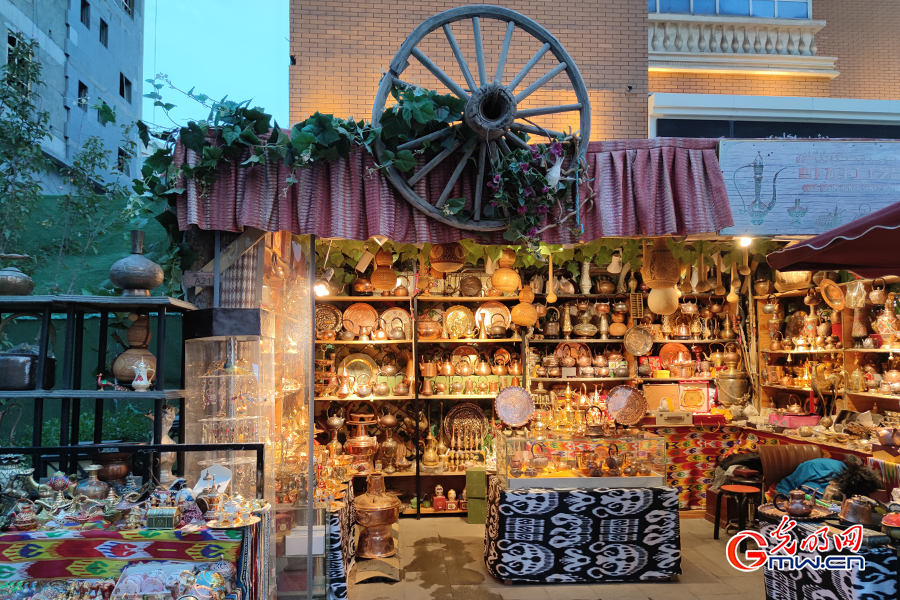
70	391
860	401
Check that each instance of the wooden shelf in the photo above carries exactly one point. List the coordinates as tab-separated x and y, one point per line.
672	379
468	298
580	379
358	343
355	398
735	341
867	350
578	340
460	396
800	351
363	298
431	511
397	474
790	294
472	341
589	296
796	389
875	395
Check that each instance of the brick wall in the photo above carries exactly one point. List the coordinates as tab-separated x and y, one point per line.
342	47
740	85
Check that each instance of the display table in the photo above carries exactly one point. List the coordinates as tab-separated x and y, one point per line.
877	581
582	535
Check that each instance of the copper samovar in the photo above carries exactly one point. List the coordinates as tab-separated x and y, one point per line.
376	511
360	445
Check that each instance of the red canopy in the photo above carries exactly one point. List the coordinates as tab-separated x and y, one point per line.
866	246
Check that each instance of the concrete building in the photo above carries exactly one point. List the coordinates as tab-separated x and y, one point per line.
91	50
708	68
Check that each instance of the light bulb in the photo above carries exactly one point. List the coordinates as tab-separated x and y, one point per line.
745	241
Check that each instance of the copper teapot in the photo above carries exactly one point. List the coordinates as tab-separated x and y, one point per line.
515	366
446	368
402	290
483	367
795	504
584	357
856	510
363	285
465	368
402	387
380	334
567	360
428	369
599	360
397	331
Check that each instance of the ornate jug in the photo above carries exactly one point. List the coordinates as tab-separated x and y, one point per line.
142	377
886	323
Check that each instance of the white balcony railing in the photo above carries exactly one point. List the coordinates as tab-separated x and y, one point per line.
719	44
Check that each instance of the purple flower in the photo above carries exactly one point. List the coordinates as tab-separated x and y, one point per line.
491	185
556	149
542	210
534	153
492	203
545	190
496	179
522	210
532	232
528	192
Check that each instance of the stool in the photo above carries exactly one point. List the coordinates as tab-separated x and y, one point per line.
752	478
744	495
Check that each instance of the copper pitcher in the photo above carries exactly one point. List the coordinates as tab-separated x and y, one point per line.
428	369
426	388
515	366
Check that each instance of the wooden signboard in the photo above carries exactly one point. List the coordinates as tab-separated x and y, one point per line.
805	187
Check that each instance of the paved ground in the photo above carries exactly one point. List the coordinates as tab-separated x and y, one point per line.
442	559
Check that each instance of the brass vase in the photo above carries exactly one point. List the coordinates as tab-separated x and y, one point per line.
135	274
376	511
92	487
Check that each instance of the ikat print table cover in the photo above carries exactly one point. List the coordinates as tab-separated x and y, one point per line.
99	553
582	535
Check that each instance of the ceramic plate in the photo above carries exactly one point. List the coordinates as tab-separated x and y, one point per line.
458	318
328	317
626	405
397	313
514	406
360	315
485	313
639	340
832	294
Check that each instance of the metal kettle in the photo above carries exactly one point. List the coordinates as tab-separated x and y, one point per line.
857	509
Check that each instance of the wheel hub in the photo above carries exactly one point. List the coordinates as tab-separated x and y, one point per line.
490	111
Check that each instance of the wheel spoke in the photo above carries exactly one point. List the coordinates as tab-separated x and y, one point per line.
534	130
501	63
528	66
504	147
517	141
547	110
544	79
436	71
431	137
460	59
433	163
495	154
479	182
456	173
479	50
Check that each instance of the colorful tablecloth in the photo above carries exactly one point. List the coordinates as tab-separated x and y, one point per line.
98	553
582	535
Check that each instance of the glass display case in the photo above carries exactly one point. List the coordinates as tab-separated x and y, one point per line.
607	462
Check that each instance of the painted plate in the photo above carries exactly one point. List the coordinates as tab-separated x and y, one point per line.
639	340
397	313
458	318
485	313
514	406
669	351
328	317
359	364
360	315
626	405
832	294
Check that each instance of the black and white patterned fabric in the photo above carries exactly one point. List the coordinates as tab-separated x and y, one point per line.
878	581
341	548
582	535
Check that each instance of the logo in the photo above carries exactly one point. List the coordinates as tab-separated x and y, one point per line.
781	553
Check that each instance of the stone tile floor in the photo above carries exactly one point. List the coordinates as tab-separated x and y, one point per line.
442	559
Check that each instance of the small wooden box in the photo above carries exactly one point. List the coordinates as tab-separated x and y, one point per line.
165	517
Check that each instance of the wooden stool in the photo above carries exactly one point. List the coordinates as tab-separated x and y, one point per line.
752	478
744	495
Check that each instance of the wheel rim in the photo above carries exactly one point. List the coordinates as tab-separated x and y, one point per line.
492	110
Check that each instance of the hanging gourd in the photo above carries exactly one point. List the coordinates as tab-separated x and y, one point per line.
504	279
524	313
384	278
661	272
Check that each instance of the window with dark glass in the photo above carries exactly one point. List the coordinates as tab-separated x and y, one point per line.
83	96
104	33
85	14
122	161
125	87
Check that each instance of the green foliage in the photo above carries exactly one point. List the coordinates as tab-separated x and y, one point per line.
23	128
125	424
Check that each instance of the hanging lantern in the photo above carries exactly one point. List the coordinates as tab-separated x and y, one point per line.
524	314
447	258
384	278
661	269
505	279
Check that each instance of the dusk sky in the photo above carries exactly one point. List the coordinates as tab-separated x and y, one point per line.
218	47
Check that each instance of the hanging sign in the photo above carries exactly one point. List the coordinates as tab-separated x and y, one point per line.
806	187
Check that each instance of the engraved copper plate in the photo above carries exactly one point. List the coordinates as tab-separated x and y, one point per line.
361	315
832	294
669	352
462	414
514	406
397	313
328	317
575	349
638	340
459	319
485	313
359	364
464	352
626	405
502	356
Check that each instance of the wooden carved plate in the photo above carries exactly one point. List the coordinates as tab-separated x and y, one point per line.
626	405
458	318
397	313
360	315
669	352
514	406
485	313
328	317
832	294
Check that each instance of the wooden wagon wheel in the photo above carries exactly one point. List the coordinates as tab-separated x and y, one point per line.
491	106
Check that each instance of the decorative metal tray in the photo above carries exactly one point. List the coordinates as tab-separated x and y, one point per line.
626	405
514	406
